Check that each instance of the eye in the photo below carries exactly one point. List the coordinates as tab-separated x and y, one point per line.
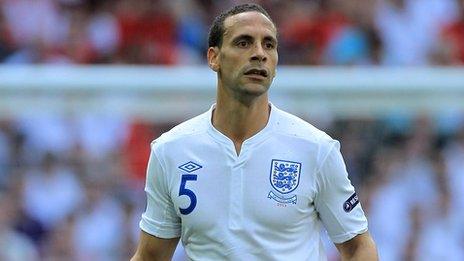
243	44
269	45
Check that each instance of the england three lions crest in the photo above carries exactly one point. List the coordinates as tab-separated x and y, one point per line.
285	175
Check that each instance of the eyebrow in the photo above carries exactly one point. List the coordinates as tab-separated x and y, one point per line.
250	38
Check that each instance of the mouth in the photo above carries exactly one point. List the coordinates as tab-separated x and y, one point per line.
257	72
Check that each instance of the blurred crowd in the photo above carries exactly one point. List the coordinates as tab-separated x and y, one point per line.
173	32
71	188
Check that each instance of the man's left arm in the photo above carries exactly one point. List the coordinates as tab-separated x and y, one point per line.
339	208
360	247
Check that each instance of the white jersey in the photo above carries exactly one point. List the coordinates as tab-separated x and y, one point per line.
268	203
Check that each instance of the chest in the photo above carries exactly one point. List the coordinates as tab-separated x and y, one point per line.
266	186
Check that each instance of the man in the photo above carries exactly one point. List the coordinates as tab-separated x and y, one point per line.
245	180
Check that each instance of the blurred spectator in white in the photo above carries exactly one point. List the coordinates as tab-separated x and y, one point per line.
33	20
417	172
442	237
46	132
99	223
13	245
33	24
388	198
414	188
99	135
51	192
409	28
454	160
103	31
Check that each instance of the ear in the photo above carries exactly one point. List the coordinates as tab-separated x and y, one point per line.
213	58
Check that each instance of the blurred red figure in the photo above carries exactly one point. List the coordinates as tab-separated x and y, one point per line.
310	32
453	38
136	151
148	32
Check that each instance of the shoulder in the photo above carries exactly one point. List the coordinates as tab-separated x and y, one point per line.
290	125
183	131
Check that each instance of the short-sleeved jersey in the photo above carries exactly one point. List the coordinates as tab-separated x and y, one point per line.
267	203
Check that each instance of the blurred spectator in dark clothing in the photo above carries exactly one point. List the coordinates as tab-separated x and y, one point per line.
24	223
13	245
6	43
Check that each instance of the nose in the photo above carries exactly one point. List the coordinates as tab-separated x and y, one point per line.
258	54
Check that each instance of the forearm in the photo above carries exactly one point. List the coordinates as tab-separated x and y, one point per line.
368	253
361	248
151	248
140	257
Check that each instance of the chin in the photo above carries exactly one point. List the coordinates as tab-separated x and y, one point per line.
254	89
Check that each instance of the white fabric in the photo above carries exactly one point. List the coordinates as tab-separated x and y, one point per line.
234	217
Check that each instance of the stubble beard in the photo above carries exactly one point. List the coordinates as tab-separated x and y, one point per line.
244	93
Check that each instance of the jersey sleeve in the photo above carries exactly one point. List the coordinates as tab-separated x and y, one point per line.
160	218
336	201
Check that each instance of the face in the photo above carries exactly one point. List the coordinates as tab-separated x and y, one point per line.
247	59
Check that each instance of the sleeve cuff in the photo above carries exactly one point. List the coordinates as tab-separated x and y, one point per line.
159	229
338	239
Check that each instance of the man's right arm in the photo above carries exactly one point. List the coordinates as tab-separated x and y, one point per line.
154	248
160	220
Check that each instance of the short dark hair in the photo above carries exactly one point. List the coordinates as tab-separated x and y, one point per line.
216	32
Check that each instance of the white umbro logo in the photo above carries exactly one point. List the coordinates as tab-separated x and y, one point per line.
190	167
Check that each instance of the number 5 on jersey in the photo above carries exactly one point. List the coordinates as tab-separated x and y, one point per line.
187	192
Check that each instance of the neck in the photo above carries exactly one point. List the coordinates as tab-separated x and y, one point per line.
240	120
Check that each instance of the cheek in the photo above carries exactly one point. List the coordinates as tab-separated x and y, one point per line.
232	68
275	57
274	61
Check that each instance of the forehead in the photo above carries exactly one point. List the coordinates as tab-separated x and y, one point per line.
251	23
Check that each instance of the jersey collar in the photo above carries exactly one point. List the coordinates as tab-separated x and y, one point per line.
258	137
